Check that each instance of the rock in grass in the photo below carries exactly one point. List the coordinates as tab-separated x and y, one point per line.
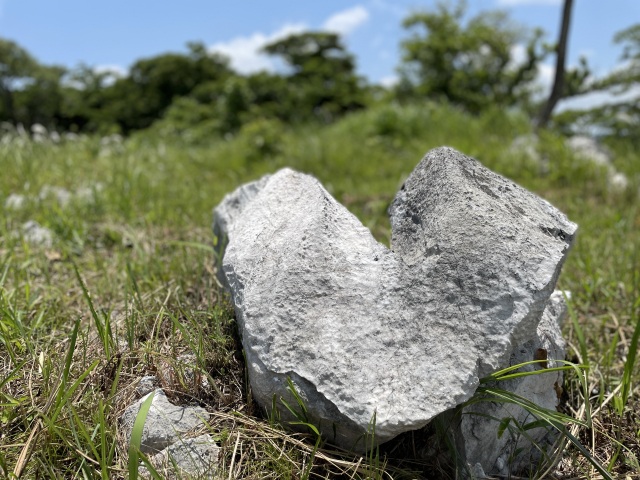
230	209
35	234
377	340
165	423
187	458
498	437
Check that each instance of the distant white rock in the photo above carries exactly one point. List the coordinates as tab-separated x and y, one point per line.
15	201
591	150
527	146
32	232
38	129
61	195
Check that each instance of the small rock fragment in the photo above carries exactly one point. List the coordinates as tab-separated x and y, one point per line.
191	457
146	385
35	234
15	201
165	422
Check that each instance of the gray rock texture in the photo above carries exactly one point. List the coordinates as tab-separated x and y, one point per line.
193	458
165	423
517	449
230	209
146	385
400	335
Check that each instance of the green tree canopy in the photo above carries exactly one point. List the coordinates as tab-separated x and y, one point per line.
17	67
469	63
323	79
136	101
621	116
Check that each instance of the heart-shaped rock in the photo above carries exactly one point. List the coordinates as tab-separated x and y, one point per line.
400	335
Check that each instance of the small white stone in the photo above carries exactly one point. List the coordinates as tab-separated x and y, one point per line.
589	149
618	182
33	233
191	457
61	195
15	201
146	385
165	423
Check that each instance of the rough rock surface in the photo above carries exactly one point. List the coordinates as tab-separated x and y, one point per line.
477	436
165	422
229	210
146	385
400	335
187	458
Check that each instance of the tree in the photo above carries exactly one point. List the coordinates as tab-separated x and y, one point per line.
141	98
565	83
622	79
620	116
85	104
17	67
323	79
471	64
40	99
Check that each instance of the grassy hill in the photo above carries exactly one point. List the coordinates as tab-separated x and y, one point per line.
132	217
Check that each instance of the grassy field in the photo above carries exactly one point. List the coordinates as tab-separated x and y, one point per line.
127	285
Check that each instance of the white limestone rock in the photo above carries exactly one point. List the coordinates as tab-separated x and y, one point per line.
15	201
35	234
517	449
146	384
165	422
589	149
231	207
401	335
187	458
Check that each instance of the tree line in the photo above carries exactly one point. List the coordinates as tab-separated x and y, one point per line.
446	56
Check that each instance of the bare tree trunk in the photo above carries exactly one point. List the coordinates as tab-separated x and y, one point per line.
561	54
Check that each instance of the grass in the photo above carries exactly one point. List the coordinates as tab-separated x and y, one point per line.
127	288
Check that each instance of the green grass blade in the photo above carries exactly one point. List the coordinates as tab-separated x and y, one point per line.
631	355
68	392
582	343
136	437
103	331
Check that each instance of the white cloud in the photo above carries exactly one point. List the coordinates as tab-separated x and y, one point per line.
389	81
389	7
346	21
245	52
546	74
518	3
113	72
518	55
598	99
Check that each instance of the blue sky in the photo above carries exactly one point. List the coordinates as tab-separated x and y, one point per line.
116	33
